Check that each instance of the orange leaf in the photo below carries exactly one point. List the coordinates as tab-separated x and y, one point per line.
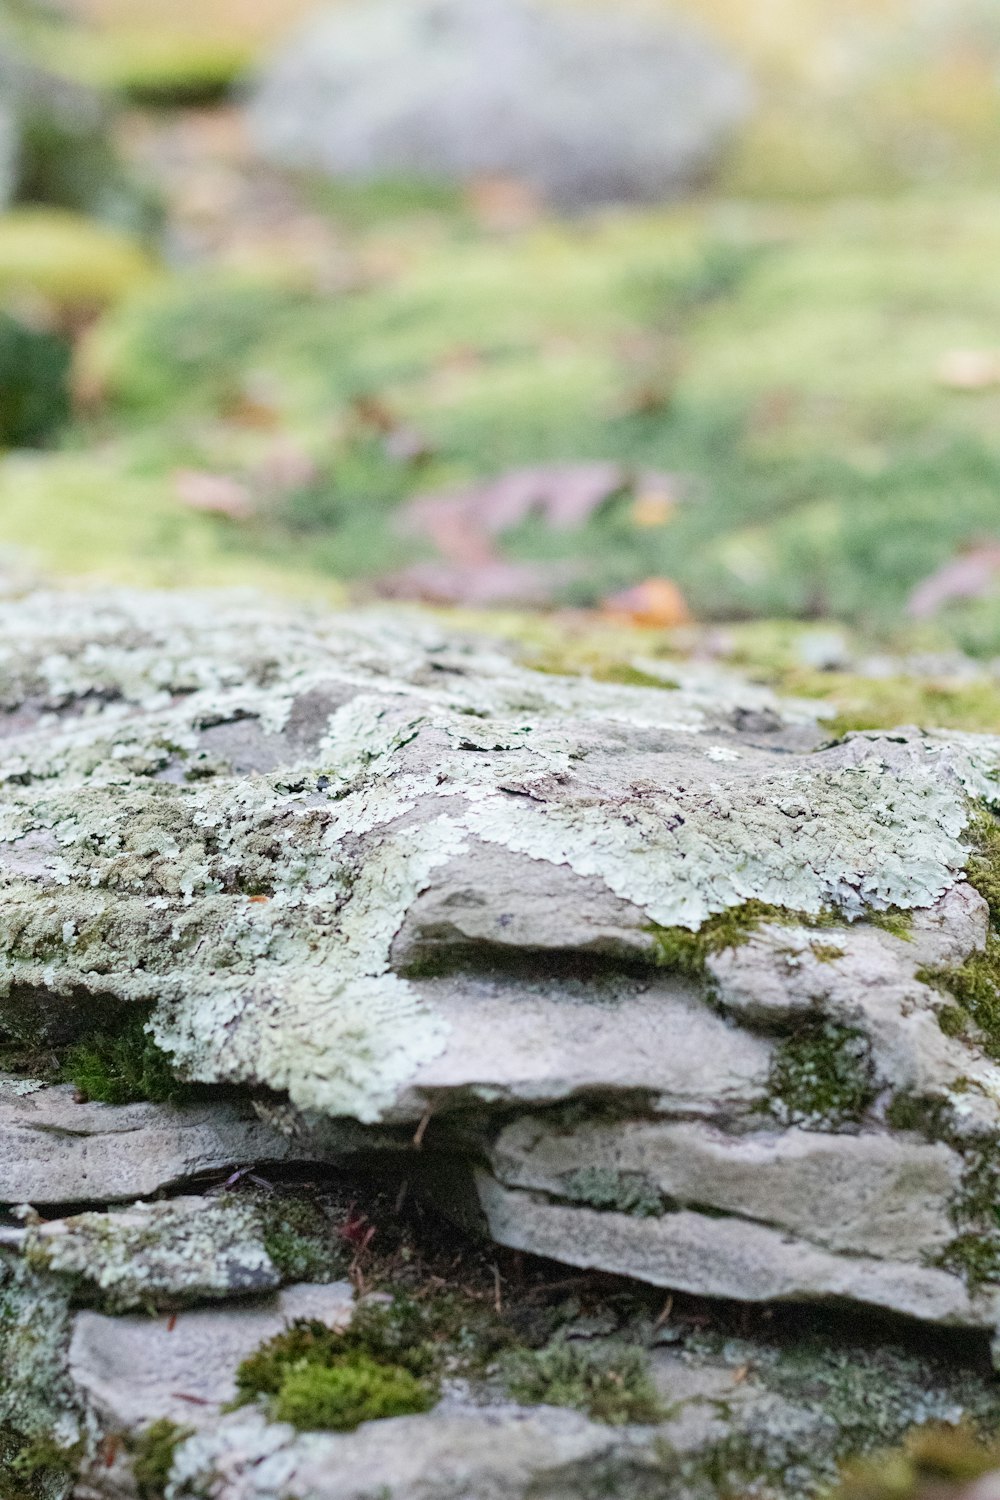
657	603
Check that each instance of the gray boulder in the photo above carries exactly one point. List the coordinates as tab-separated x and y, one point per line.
658	982
584	106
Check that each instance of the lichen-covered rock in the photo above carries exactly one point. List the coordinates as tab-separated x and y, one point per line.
586	106
704	1000
157	1255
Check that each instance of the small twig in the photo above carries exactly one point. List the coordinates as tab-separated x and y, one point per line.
664	1317
497	1290
404	1188
418	1139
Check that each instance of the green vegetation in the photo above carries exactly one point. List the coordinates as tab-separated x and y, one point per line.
316	1377
300	1241
610	1382
121	1066
975	985
34	384
822	1077
338	1398
153	1455
898	923
685	952
932	1460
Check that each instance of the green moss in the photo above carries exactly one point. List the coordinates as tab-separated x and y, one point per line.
983	871
826	953
153	1456
301	1241
929	1117
822	1077
425	1338
932	1457
975	1257
686	952
610	1382
43	1458
340	1397
618	1192
122	1066
975	988
899	923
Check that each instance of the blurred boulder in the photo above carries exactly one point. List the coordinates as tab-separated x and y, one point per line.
584	106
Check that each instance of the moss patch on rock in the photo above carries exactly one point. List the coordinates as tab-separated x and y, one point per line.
152	1453
611	1382
821	1077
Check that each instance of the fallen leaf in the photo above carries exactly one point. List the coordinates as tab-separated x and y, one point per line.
407	446
503	205
652	508
564	495
970	370
218	494
972	575
657	602
285	467
488	583
371	411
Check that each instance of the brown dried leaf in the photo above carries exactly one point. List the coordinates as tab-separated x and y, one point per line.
657	602
217	494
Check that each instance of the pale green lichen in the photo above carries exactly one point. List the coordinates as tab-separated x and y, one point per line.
42	1425
156	1256
145	863
613	1191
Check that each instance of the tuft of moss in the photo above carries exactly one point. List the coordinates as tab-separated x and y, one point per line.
122	1066
931	1460
973	1256
300	1241
821	1077
984	865
826	953
338	1398
975	988
686	952
896	921
929	1117
153	1456
306	1341
610	1382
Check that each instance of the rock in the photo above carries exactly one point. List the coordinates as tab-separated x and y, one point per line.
56	1149
133	1371
583	106
657	982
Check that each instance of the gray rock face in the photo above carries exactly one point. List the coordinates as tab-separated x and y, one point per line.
585	106
663	984
55	1148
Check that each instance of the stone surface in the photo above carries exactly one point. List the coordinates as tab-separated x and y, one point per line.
657	982
133	1370
582	105
55	1148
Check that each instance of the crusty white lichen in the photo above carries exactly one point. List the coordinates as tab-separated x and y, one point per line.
156	1255
226	811
37	1400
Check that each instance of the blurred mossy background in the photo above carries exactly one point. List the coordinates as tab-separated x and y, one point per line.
249	373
